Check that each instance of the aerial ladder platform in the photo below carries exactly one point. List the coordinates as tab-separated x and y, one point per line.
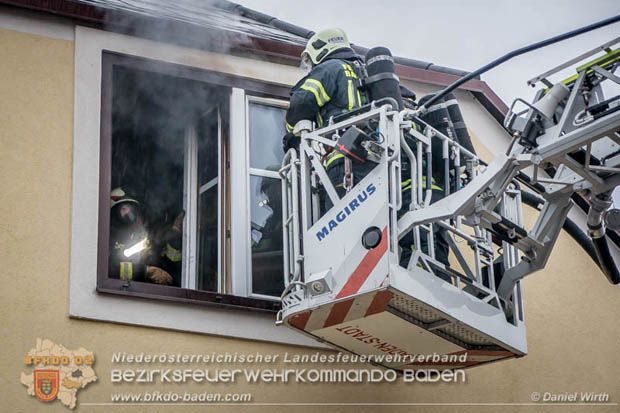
344	283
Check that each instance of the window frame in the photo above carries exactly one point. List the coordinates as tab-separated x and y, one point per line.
273	102
115	286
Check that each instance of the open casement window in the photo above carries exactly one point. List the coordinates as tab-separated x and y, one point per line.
164	191
257	262
265	122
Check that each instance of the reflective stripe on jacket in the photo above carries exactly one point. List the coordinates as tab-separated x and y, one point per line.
331	88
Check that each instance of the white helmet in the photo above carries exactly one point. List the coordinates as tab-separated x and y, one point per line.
322	44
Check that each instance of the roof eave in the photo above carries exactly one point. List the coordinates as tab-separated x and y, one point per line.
247	43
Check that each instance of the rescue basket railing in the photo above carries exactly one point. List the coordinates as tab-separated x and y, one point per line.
290	209
473	274
306	187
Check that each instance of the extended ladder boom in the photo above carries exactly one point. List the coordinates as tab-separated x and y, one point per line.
344	267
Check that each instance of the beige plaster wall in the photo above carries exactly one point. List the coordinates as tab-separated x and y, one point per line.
571	310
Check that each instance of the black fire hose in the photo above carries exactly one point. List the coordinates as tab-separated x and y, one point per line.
606	261
569	226
518	52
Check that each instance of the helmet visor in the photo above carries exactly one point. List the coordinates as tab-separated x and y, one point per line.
127	213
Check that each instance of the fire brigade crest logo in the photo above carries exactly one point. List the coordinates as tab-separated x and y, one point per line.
46	384
59	373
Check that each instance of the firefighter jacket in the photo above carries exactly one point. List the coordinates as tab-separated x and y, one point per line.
170	257
331	88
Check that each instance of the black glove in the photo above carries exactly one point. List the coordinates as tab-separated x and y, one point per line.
290	141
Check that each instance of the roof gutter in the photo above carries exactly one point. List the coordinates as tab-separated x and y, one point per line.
263	18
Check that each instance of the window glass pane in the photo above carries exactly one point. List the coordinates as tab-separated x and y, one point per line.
208	203
208	241
152	169
266	233
266	132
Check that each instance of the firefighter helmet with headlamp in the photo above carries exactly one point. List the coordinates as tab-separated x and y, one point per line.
118	195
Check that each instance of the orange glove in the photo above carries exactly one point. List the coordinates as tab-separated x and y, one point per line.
158	276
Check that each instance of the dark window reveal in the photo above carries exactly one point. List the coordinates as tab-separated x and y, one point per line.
163	198
165	169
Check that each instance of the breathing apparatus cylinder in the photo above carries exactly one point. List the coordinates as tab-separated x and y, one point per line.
462	136
382	81
438	117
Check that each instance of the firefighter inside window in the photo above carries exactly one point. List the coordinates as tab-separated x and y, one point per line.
134	254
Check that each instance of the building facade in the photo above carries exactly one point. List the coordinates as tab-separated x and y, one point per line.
189	114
